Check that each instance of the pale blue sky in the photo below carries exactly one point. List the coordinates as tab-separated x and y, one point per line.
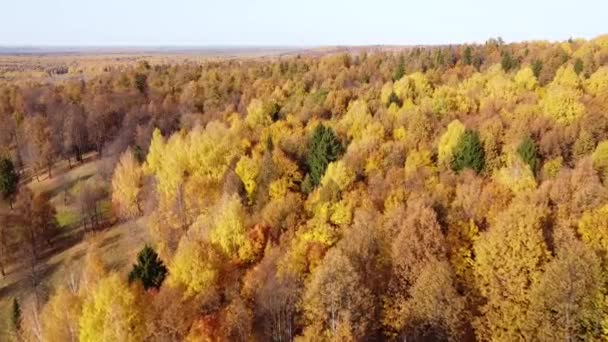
304	22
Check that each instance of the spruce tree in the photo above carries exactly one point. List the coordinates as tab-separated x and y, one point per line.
324	149
527	152
149	269
16	315
8	179
399	70
469	153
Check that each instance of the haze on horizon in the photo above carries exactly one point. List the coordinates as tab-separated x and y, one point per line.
282	23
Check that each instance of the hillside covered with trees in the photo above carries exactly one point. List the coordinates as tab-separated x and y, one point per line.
428	193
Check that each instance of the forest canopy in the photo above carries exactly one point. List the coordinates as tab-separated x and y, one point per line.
428	193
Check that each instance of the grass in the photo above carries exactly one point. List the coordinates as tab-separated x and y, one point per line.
67	218
118	244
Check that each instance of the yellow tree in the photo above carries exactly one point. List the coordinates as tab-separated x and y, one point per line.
111	313
509	261
60	316
229	230
126	186
600	159
248	169
449	141
564	303
196	266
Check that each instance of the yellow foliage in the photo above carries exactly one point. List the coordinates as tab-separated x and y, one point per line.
449	141
395	198
248	169
156	153
516	176
566	77
212	151
195	266
259	113
126	185
400	133
356	119
597	84
600	158
417	159
552	167
447	99
278	188
60	316
111	313
509	260
385	92
525	79
413	87
338	173
562	104
342	212
229	230
593	228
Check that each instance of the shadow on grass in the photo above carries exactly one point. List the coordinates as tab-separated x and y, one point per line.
24	283
66	185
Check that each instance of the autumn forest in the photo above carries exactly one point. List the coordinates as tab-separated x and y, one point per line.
431	193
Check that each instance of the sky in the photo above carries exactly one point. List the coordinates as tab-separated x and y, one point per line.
294	23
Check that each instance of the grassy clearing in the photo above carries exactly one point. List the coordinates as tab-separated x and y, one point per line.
119	244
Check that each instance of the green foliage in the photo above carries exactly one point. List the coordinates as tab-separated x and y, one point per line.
149	269
399	70
467	56
325	147
141	82
507	61
527	152
16	317
8	178
469	153
537	67
139	154
578	66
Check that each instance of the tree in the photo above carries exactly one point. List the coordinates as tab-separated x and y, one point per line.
449	141
230	232
8	179
600	159
41	150
335	296
60	316
196	266
126	186
508	62
16	318
527	152
578	66
399	69
325	147
111	313
435	310
564	302
509	260
43	219
537	67
469	153
149	269
467	56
